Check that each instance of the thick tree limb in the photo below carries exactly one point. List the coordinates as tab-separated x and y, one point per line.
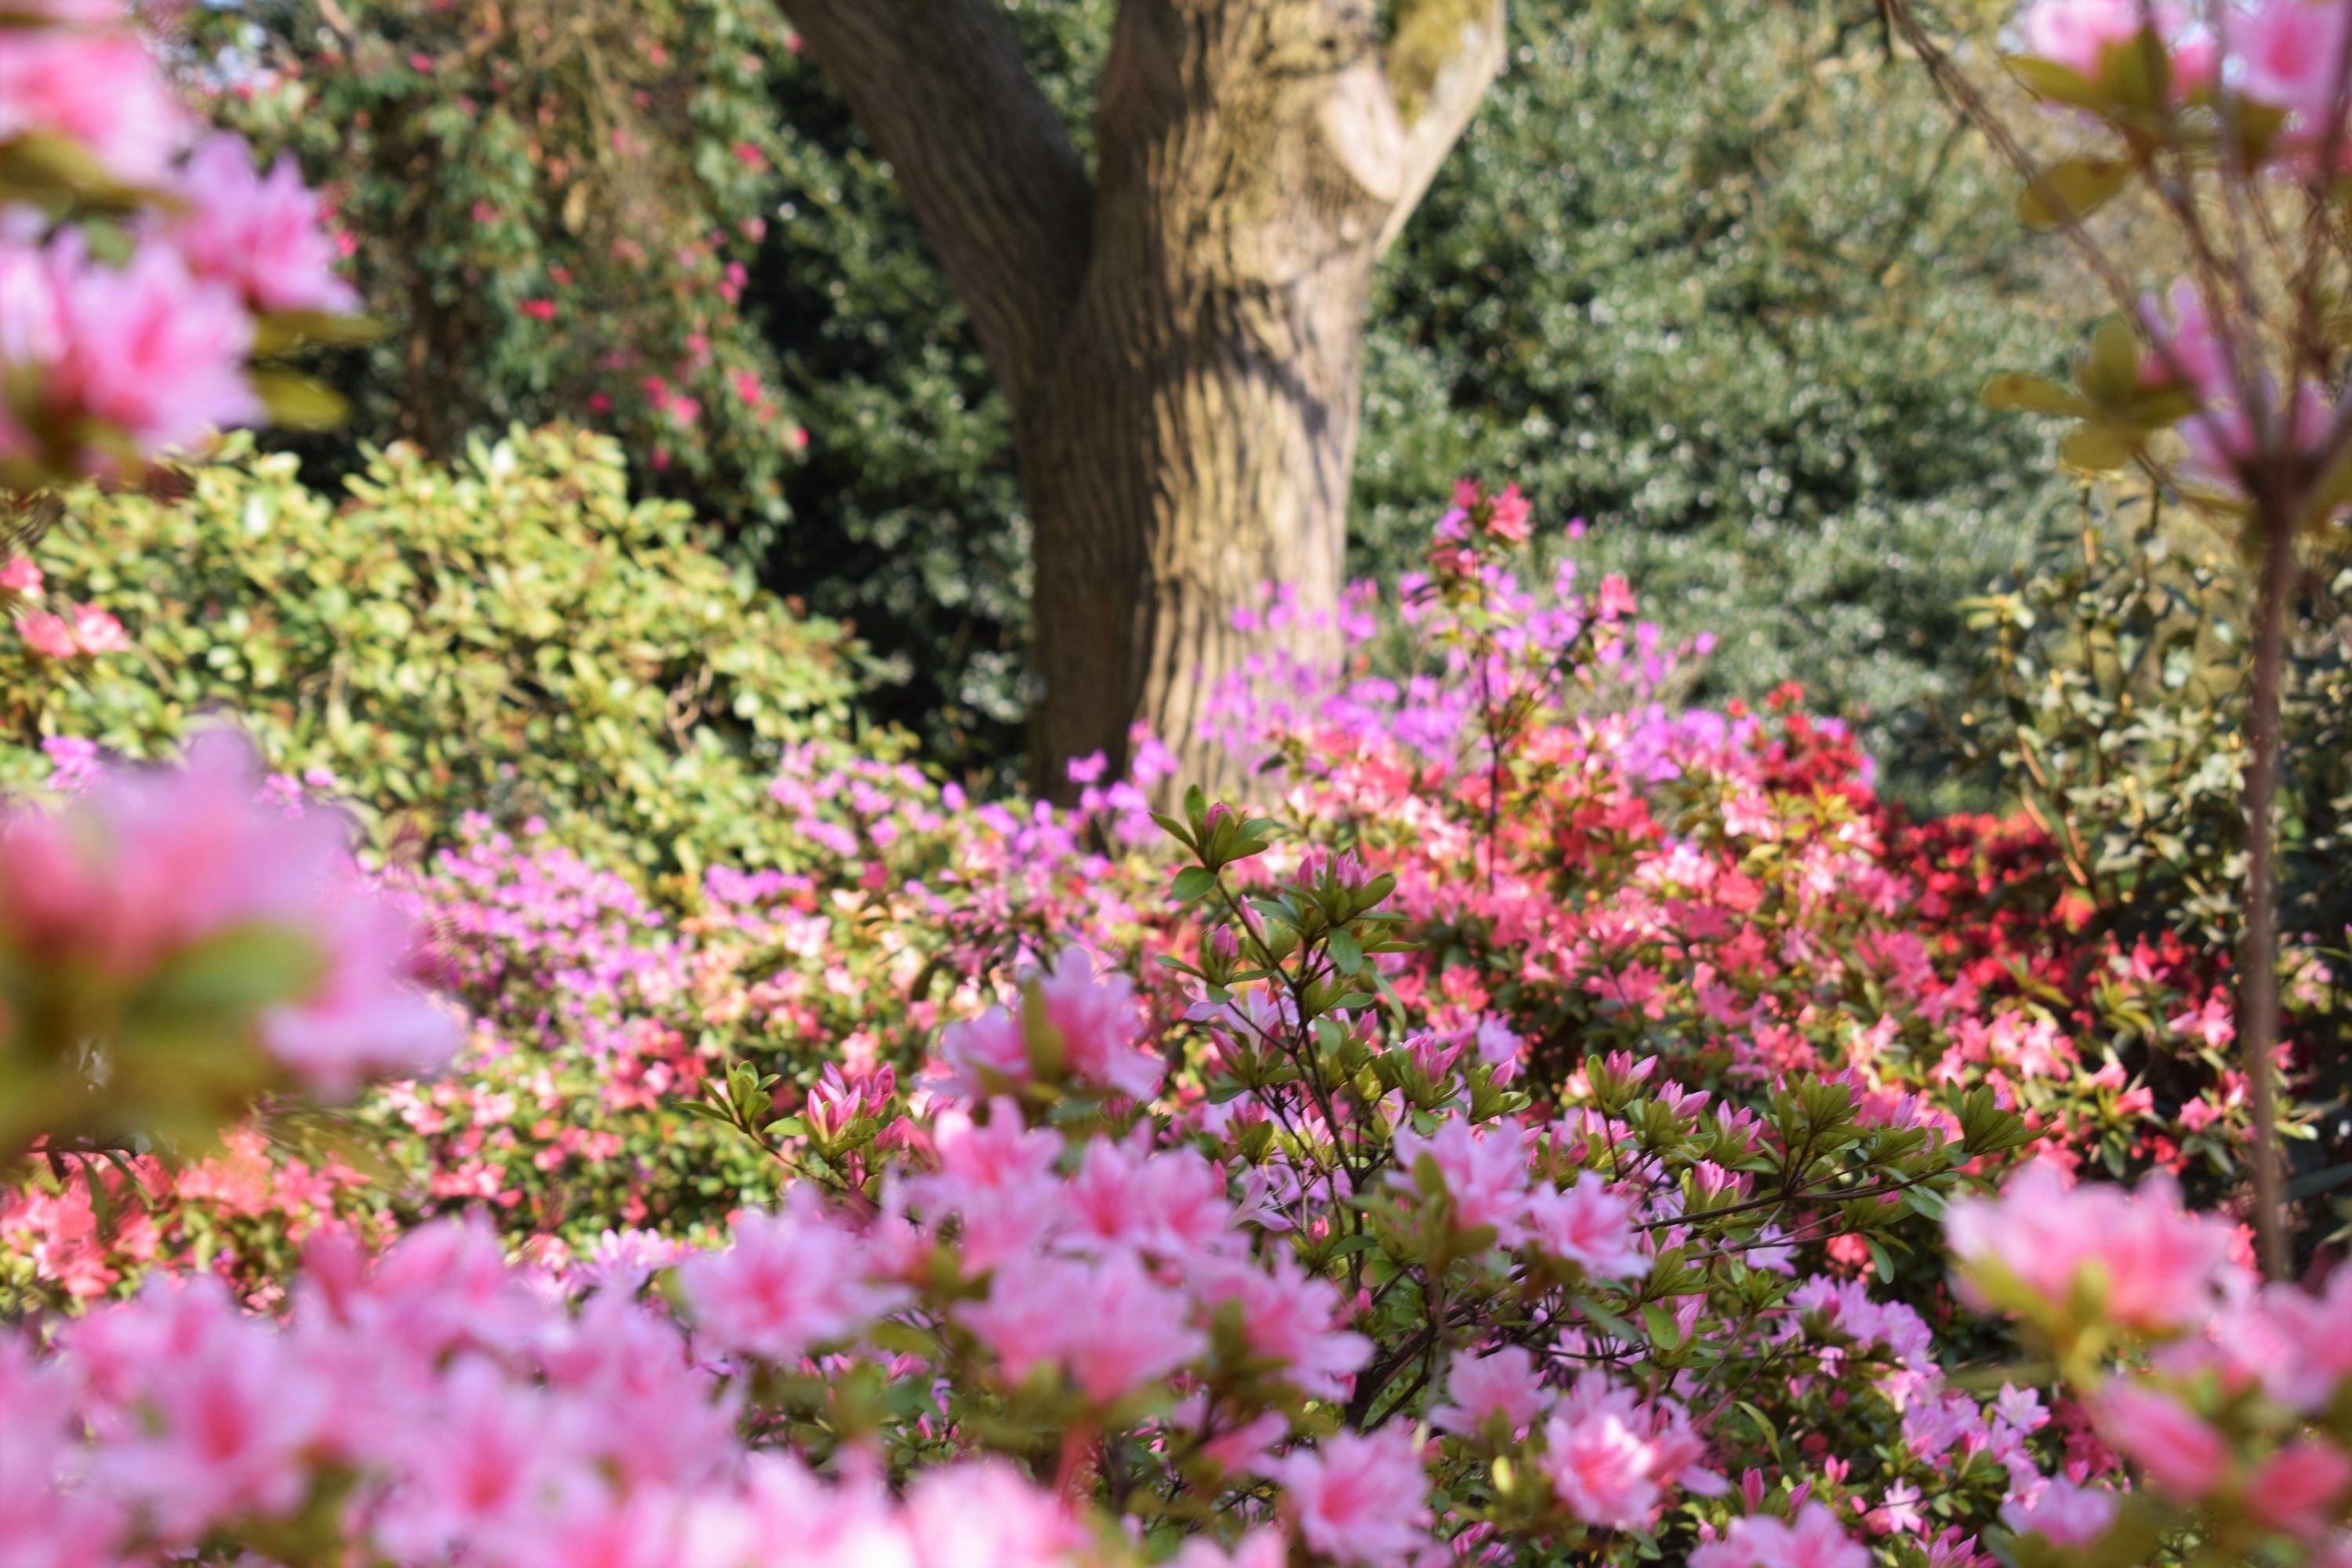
1442	58
986	167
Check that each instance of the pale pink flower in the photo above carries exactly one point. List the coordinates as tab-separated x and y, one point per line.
1099	1024
1587	1224
2063	1513
224	1431
1485	1175
2160	1267
1131	1331
1290	1316
791	1280
1760	1541
1357	1497
1258	1548
1600	1470
264	236
20	576
1504	1384
362	1020
1101	1027
96	631
2176	1449
987	1515
2076	33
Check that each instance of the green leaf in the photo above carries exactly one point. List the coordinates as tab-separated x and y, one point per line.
2055	83
1194	882
1346	956
2031	394
2070	191
299	402
2099	449
244	967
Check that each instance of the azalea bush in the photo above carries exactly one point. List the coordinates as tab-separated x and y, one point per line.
1524	1135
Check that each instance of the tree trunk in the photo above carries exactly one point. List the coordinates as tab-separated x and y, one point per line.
1179	342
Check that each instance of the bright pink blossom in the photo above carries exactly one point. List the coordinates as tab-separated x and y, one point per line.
1358	1497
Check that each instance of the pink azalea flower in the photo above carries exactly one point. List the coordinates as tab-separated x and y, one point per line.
1600	1470
2289	49
968	1516
2297	1489
1289	1316
791	1280
1132	1332
1477	1387
1759	1541
100	88
224	1432
20	576
1589	1226
1357	1497
95	631
263	236
2160	1267
2063	1513
364	1019
2076	33
146	347
2179	1452
49	636
1485	1173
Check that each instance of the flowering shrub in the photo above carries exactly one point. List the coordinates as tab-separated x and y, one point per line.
2224	1393
1530	1137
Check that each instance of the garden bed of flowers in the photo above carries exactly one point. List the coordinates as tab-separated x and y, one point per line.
1534	1125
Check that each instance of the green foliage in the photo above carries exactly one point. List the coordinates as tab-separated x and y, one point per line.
1726	280
555	202
513	634
1720	278
2113	704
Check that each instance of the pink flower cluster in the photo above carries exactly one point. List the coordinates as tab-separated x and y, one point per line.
166	916
438	1403
108	363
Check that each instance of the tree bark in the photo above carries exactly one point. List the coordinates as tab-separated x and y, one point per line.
1179	340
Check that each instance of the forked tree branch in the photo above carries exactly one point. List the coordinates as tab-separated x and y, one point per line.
1441	56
